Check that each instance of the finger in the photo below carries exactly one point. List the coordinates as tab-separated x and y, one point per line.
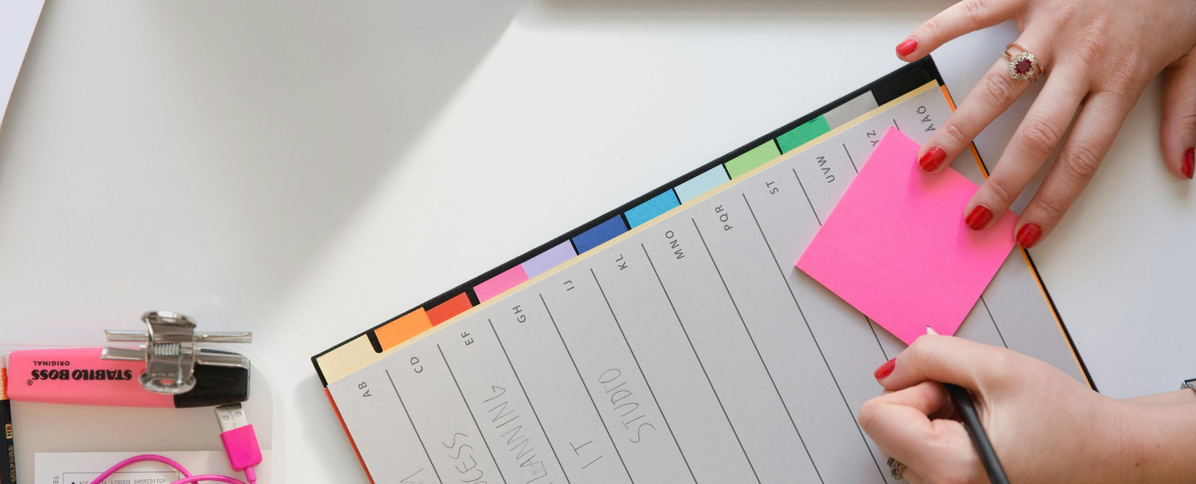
947	411
947	359
900	419
1089	141
956	20
1178	135
899	425
991	97
913	477
926	397
1032	143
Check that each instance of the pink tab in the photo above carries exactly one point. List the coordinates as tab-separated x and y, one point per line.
499	284
897	249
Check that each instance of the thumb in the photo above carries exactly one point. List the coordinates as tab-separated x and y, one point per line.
947	359
1178	135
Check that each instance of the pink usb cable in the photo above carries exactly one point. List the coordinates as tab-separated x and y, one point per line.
240	443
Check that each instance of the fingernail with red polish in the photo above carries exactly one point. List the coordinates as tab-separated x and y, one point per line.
932	158
1028	235
885	370
906	48
1189	166
979	217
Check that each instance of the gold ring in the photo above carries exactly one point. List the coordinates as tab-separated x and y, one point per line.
896	468
1023	65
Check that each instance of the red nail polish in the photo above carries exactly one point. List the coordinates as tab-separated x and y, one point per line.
979	217
906	48
932	158
885	369
1028	235
1189	166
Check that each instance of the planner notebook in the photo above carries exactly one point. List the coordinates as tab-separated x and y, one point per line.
672	339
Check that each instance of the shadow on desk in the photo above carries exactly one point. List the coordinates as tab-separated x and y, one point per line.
269	122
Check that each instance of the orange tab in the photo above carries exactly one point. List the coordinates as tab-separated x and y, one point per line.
403	328
446	310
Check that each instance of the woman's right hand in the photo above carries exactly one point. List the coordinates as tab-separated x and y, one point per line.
1045	426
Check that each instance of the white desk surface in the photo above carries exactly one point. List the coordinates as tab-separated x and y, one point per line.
308	171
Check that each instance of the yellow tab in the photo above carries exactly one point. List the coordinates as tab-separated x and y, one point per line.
348	358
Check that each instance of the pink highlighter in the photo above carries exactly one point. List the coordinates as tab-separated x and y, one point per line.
78	376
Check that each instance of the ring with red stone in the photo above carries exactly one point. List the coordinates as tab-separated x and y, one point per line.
1023	65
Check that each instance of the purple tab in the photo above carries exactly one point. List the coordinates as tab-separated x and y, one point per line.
548	259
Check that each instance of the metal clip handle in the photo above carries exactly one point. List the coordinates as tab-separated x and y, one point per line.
203	356
122	335
170	352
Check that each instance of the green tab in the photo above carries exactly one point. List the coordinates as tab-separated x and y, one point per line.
800	135
755	157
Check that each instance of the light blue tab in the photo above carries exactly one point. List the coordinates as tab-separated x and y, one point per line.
651	209
703	183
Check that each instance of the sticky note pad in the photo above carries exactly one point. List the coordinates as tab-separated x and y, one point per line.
897	249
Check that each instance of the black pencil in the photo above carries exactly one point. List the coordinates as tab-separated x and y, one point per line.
971	421
8	463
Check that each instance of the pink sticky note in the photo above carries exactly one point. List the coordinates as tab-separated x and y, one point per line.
896	246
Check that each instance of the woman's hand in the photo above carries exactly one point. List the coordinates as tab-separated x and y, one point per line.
1098	57
1045	426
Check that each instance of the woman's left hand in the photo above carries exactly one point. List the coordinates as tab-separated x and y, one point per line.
1098	57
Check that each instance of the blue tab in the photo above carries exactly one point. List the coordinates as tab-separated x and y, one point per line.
696	186
596	236
651	209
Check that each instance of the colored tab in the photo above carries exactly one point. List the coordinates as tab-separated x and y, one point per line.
403	328
446	310
755	157
499	284
596	236
696	186
850	110
800	135
347	358
652	208
548	259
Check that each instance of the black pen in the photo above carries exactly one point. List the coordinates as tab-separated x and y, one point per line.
8	463
971	421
